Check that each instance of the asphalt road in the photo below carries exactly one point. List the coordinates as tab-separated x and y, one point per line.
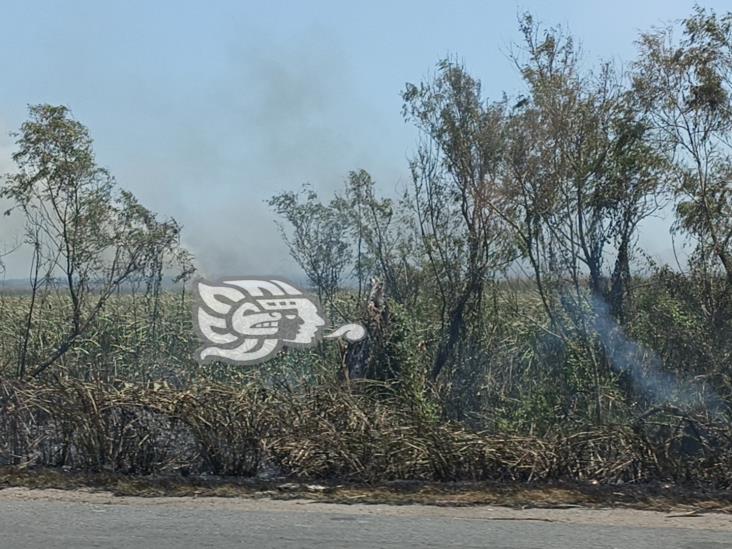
53	521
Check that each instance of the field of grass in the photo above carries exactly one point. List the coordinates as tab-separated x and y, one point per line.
129	400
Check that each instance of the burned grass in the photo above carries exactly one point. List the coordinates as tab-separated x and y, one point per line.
652	496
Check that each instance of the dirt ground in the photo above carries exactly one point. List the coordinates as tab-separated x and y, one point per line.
574	515
648	504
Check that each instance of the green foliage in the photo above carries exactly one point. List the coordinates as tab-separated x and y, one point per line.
317	241
86	235
512	333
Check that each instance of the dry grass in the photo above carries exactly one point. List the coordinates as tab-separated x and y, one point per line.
365	434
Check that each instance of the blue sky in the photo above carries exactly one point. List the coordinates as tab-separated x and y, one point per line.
205	109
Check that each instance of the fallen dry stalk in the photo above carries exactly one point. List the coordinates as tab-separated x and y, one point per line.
328	432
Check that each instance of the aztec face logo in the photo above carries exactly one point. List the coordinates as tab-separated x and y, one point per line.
246	321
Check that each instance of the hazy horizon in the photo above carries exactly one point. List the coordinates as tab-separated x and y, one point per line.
205	112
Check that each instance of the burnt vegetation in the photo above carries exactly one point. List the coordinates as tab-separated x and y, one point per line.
516	329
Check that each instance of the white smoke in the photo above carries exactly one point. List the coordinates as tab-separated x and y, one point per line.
644	366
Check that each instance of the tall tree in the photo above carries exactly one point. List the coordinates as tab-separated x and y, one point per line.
87	234
685	84
579	175
454	175
382	246
316	235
